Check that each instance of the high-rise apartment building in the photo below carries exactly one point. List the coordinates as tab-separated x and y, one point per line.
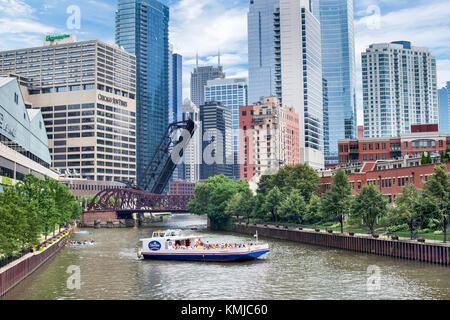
217	148
338	71
142	28
399	88
269	138
199	79
298	77
86	91
261	51
232	93
444	110
190	168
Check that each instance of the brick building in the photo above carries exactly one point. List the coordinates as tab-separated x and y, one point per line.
269	136
181	187
423	138
390	181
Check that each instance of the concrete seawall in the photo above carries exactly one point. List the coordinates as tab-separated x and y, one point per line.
437	253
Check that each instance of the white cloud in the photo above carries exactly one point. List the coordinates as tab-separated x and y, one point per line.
443	72
15	8
17	26
204	27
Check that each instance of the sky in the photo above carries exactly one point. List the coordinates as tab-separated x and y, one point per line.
207	26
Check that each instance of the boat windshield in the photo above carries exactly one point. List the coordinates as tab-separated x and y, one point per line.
162	234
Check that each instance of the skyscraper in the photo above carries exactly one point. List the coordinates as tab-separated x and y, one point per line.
399	88
217	150
261	51
142	28
269	138
175	96
86	93
338	71
299	74
232	93
444	110
199	78
175	86
192	153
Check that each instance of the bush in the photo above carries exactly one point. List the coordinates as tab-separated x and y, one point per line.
402	227
383	222
328	224
434	224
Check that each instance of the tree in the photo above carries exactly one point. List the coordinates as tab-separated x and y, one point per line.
212	197
15	221
406	209
424	159
293	208
232	206
272	202
438	187
313	214
336	202
245	204
258	209
300	177
429	160
445	156
369	205
426	209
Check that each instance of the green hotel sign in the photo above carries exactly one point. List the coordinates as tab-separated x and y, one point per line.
51	38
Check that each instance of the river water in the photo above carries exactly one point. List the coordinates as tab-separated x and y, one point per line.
111	270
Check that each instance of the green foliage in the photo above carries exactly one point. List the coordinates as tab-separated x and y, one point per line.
313	214
259	210
397	228
437	188
273	202
293	208
213	199
368	206
300	177
406	209
336	203
31	208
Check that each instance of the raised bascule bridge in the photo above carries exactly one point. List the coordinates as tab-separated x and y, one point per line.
113	205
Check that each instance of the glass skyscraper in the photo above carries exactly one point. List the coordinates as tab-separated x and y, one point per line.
338	71
444	110
232	93
261	51
199	78
175	86
299	78
142	28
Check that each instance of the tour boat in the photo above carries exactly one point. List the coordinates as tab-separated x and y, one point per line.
172	245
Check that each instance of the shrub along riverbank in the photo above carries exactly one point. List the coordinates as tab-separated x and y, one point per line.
31	209
290	197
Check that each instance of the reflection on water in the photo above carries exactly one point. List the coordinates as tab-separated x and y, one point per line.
111	270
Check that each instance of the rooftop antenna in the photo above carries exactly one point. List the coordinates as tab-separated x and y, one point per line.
218	58
196	60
